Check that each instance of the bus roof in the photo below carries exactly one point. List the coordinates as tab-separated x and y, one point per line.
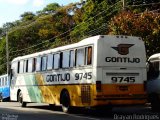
157	55
84	42
4	75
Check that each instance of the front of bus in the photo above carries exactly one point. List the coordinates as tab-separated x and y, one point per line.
120	71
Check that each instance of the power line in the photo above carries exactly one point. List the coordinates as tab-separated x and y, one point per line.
143	4
101	28
152	11
65	31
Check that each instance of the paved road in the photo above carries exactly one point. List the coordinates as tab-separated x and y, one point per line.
12	111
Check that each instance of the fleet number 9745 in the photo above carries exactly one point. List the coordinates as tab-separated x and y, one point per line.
123	79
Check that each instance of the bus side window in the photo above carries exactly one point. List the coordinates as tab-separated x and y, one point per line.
34	64
6	81
65	60
44	63
72	58
56	61
88	55
49	61
18	66
21	66
38	64
30	65
2	81
80	57
75	58
25	66
60	59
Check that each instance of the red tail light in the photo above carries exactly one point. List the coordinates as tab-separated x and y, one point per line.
98	86
145	84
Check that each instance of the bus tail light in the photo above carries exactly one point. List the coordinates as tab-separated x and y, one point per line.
145	85
98	86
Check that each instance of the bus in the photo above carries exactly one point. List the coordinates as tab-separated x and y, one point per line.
97	72
153	81
4	88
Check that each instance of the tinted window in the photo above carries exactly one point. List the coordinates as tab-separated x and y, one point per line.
65	60
2	81
56	61
30	65
38	65
80	57
18	66
6	81
21	66
72	57
44	63
34	64
89	56
25	65
50	61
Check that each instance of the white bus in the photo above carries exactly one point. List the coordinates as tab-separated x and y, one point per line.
95	72
153	81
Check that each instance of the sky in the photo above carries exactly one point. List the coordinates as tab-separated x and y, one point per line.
10	10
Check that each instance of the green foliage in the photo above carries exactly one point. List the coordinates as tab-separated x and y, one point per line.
96	14
145	25
2	56
50	8
54	26
27	16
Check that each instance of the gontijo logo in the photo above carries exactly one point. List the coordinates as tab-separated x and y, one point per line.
123	49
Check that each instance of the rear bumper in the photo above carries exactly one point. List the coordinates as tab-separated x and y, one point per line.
139	99
122	97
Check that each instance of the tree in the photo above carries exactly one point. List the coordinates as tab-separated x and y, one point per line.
145	25
96	14
27	16
50	8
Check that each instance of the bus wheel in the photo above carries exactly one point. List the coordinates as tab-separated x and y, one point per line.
155	102
65	101
20	100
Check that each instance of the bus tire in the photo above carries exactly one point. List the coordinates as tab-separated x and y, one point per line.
65	101
155	102
52	106
20	99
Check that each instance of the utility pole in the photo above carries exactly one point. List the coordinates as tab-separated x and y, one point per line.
7	52
123	2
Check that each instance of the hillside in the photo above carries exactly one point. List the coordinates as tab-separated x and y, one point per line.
57	25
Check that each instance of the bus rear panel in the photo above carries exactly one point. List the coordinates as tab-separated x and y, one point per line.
120	71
